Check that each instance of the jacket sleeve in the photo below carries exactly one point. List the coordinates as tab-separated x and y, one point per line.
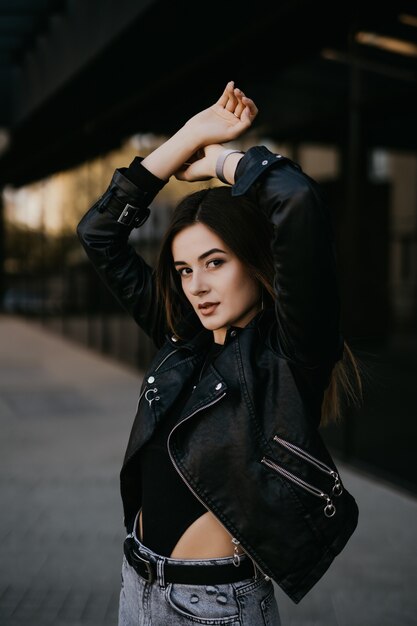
307	304
104	232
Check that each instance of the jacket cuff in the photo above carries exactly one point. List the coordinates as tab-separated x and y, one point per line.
253	164
126	200
142	177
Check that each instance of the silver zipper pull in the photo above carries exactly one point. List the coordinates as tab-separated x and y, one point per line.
236	555
329	509
337	488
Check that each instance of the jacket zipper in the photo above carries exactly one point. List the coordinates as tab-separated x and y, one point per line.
329	509
337	488
144	389
236	542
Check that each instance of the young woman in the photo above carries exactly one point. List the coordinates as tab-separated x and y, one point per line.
226	483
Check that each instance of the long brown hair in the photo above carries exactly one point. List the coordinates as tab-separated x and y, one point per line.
248	234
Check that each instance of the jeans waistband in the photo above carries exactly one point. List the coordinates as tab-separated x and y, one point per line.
152	566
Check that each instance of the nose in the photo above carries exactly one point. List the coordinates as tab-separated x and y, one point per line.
197	284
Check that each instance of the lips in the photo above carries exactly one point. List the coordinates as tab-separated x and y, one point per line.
207	308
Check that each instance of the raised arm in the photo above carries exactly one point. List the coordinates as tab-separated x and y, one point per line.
224	121
104	230
305	282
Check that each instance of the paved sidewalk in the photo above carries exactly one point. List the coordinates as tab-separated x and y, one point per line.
65	416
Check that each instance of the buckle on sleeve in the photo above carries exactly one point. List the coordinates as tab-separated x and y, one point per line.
134	216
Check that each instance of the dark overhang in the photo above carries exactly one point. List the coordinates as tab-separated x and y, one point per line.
134	67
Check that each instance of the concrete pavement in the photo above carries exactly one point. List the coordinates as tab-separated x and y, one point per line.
65	416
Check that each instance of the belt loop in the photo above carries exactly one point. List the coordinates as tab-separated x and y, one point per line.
160	572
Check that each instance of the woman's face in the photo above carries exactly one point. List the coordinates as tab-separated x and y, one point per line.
214	280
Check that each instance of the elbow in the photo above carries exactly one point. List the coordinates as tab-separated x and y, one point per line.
81	227
305	195
80	232
83	230
308	209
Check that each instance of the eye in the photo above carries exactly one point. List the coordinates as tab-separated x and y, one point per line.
216	262
183	271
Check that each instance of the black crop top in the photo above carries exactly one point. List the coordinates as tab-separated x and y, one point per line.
168	505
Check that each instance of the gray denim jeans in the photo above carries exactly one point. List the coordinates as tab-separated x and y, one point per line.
248	602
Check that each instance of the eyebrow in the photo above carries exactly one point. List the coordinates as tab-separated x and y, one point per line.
202	256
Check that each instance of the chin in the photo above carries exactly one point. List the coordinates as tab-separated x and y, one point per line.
211	324
208	325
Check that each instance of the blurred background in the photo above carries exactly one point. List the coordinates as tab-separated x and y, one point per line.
85	86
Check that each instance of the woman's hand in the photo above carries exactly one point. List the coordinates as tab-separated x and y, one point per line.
227	119
202	165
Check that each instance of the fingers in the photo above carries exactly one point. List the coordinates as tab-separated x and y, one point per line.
250	110
234	100
239	106
231	99
226	94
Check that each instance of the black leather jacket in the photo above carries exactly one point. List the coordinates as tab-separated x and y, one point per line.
247	442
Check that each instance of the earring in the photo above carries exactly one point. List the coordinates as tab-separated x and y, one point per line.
262	298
